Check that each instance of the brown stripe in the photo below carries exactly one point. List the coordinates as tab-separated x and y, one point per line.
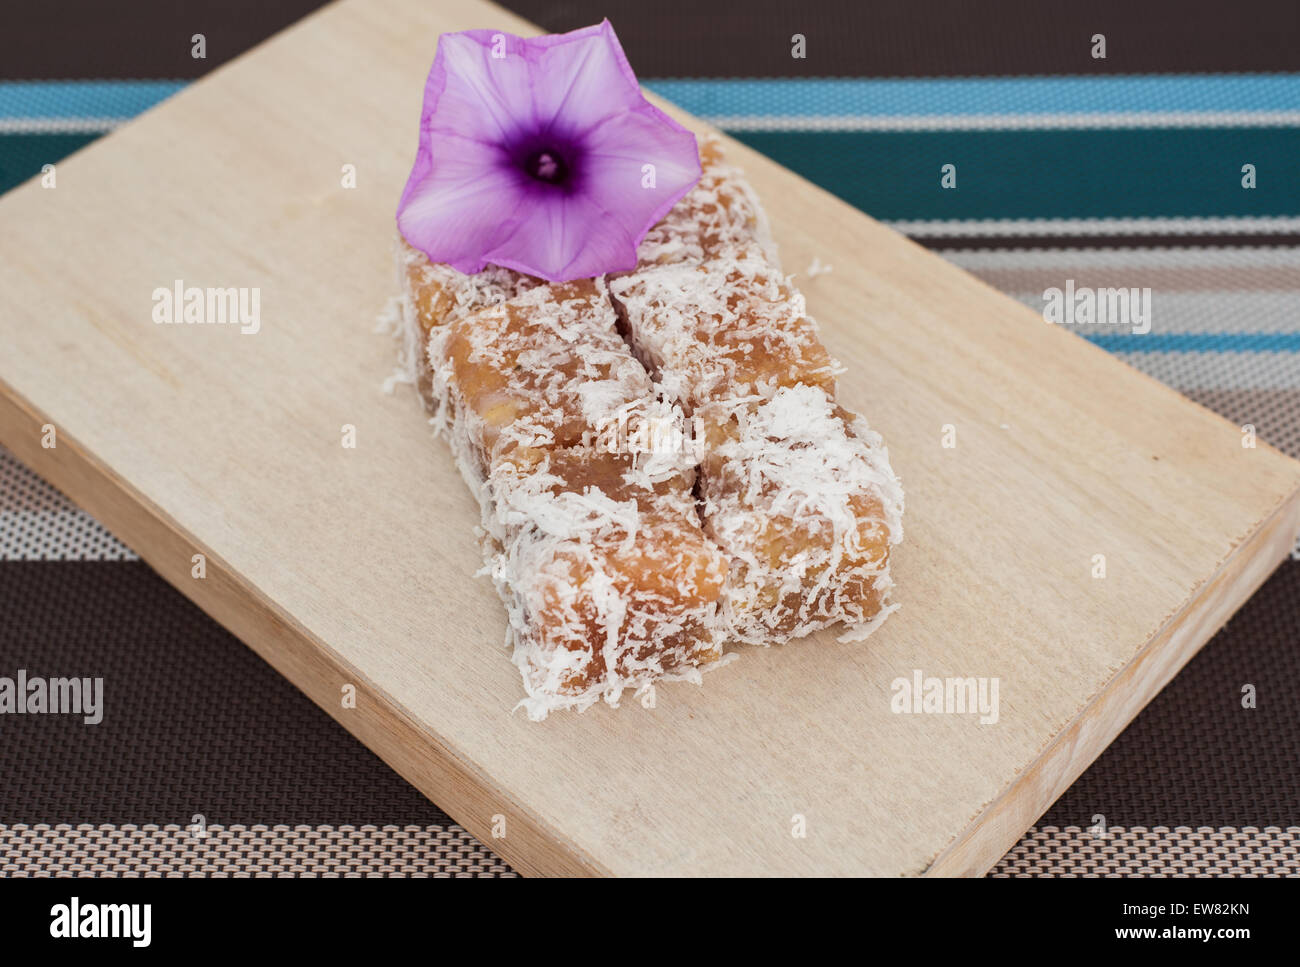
83	39
920	38
193	721
685	38
1195	756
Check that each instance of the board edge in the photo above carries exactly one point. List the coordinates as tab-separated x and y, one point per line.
993	831
419	756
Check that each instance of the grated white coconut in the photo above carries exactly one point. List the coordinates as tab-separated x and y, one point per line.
788	475
552	548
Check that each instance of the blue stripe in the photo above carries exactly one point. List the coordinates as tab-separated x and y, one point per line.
1198	342
82	99
872	97
906	97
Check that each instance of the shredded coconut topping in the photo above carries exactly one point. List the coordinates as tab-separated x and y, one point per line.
566	408
590	526
801	497
722	329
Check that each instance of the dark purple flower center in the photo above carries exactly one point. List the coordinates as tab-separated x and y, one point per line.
547	165
549	158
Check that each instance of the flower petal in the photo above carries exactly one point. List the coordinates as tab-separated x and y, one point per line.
565	237
587	79
474	94
615	173
443	213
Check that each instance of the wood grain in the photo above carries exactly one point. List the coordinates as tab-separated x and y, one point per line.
354	565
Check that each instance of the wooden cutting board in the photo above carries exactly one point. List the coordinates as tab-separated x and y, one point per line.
353	566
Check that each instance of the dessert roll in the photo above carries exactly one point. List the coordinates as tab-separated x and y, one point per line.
585	479
435	295
720	330
608	579
796	491
542	371
799	494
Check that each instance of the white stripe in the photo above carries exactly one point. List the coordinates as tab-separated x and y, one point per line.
59	125
1000	227
1010	122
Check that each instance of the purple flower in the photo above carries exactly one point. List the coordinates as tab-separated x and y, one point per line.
541	155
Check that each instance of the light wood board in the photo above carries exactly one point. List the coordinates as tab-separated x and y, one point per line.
355	565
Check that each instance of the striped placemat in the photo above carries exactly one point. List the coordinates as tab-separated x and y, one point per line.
1069	169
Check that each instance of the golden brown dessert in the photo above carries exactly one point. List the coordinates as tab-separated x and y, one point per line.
436	295
543	370
596	549
722	330
799	494
796	491
628	542
606	574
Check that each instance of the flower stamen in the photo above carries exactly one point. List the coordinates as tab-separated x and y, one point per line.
547	166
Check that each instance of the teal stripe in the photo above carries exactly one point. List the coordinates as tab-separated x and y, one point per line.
874	97
905	97
22	155
1169	172
82	99
1198	342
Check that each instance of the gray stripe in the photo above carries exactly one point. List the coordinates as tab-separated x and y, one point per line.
1189	372
41	850
1175	310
